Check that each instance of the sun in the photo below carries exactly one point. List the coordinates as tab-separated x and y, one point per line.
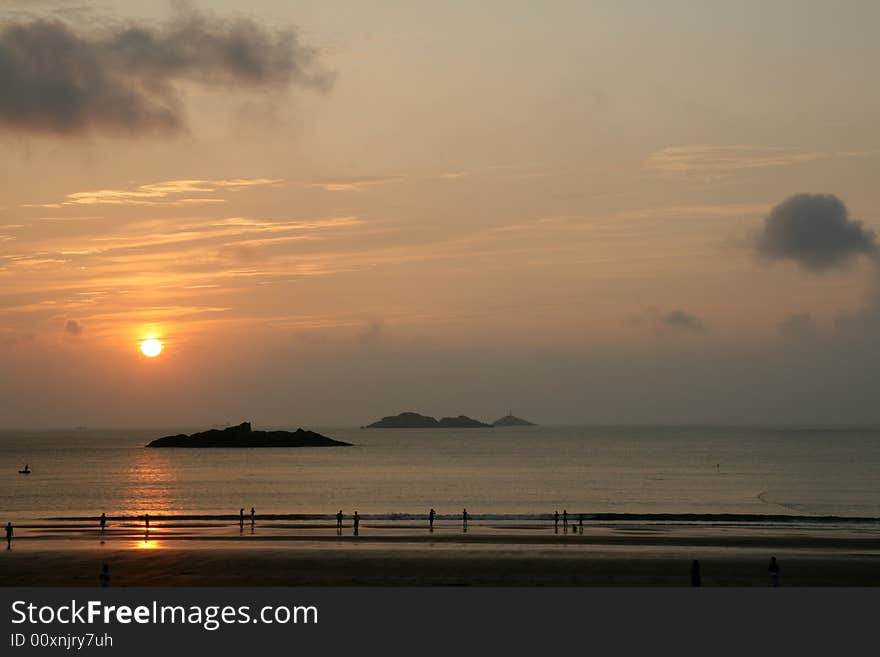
151	347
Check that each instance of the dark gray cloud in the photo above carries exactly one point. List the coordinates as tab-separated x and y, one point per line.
372	332
816	232
129	79
73	327
662	322
799	326
679	319
12	339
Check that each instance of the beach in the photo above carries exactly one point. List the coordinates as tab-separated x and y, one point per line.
309	553
653	499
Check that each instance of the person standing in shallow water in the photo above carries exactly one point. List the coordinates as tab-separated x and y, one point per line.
564	521
580	523
556	522
356	519
8	535
464	520
339	523
773	569
253	517
103	522
696	580
431	515
241	518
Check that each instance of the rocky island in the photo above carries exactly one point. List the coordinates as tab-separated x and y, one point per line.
409	420
243	436
510	420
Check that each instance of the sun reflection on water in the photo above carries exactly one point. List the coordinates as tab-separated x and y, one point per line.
150	478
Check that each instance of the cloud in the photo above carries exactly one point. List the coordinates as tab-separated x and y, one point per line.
673	320
129	79
727	211
799	326
679	319
816	232
167	192
709	161
372	332
351	184
73	327
9	338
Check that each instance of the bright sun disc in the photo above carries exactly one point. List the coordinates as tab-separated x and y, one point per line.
151	348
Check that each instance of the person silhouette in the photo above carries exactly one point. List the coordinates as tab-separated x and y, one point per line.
146	526
564	521
8	535
103	522
695	573
104	577
556	522
357	524
339	523
431	515
241	518
580	523
464	520
773	569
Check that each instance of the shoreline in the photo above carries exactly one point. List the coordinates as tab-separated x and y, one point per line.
633	539
533	517
227	530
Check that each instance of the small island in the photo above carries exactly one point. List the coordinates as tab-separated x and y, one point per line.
510	420
410	420
242	436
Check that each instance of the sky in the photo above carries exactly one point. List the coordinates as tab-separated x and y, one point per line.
328	212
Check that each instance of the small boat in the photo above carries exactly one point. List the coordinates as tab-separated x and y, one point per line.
26	470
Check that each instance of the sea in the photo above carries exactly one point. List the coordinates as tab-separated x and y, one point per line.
755	473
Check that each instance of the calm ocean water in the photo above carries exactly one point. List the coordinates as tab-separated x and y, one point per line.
511	471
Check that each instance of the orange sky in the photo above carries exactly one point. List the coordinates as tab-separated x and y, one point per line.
502	184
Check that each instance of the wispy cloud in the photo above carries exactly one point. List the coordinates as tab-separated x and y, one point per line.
70	218
184	257
712	162
625	220
720	211
167	192
351	184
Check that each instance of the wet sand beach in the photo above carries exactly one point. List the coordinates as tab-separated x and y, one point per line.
179	552
343	566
